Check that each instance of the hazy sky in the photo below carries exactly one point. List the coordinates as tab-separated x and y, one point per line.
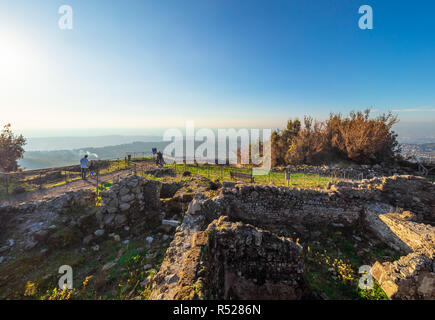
223	63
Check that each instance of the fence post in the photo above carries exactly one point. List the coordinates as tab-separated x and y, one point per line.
98	175
7	184
287	177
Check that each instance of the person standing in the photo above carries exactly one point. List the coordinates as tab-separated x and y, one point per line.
159	160
84	163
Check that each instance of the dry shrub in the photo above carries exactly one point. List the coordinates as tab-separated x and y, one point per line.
362	139
310	145
356	138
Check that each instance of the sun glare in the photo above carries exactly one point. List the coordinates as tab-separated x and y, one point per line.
17	59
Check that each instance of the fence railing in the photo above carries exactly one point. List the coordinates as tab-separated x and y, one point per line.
302	178
31	180
19	182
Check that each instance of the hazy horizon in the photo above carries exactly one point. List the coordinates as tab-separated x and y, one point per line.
71	139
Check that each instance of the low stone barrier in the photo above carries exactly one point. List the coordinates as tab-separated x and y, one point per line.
57	204
263	203
412	193
128	202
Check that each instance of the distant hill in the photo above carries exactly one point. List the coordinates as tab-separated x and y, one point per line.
56	158
71	143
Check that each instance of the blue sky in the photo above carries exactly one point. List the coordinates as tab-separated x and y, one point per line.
130	66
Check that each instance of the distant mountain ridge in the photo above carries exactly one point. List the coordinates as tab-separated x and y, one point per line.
56	158
74	142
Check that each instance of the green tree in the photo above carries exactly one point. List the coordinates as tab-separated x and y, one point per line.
282	140
11	149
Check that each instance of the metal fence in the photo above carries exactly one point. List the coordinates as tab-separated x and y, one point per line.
304	178
31	180
137	163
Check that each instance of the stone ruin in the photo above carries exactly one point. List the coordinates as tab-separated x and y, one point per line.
127	202
407	192
57	204
244	262
222	248
33	223
230	261
217	254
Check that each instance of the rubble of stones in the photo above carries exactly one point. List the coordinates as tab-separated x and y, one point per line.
409	192
57	204
47	223
73	221
161	172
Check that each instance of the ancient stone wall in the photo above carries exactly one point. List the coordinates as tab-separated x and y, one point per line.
51	222
228	260
408	192
57	204
133	200
244	262
179	270
256	203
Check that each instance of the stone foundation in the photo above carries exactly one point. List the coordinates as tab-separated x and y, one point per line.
244	262
229	261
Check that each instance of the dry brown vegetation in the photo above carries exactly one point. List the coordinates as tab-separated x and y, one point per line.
357	138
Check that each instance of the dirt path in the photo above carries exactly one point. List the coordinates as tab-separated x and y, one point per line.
69	186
